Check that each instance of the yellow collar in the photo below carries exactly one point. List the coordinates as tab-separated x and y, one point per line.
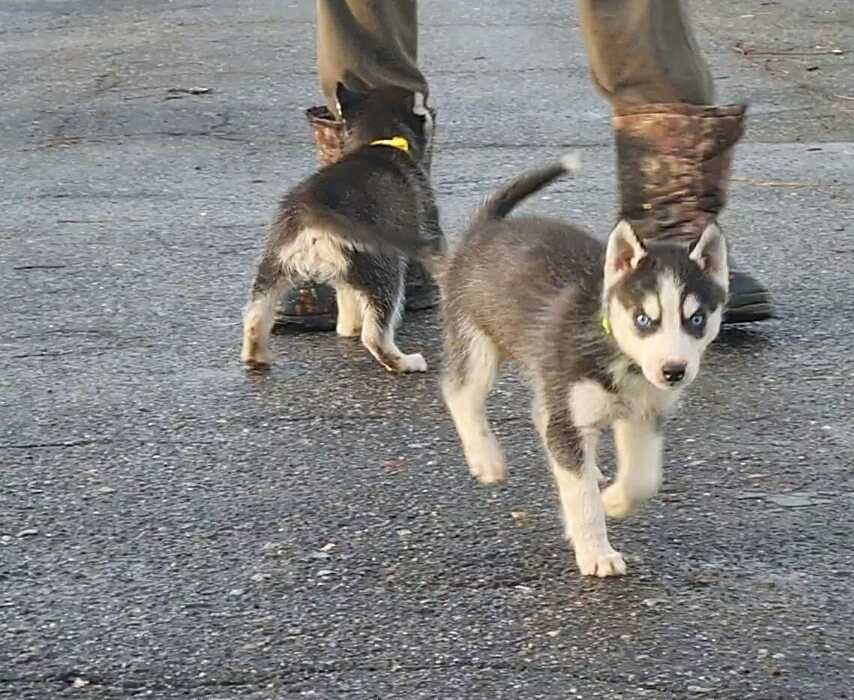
397	142
606	326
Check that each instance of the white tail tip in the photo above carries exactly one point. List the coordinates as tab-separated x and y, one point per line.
571	162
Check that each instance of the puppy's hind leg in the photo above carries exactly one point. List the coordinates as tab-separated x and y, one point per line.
258	315
472	366
350	311
382	312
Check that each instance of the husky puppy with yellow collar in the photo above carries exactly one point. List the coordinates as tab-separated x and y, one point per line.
347	224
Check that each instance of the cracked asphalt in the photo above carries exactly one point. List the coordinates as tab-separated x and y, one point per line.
173	527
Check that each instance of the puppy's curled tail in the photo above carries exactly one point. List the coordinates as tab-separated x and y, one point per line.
499	205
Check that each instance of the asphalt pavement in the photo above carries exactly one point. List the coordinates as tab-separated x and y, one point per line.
172	526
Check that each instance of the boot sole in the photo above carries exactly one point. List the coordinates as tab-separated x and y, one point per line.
306	323
422	298
749	310
319	323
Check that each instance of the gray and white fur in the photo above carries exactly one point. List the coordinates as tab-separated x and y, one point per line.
348	224
608	335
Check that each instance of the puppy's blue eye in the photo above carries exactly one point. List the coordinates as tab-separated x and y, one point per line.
698	319
643	321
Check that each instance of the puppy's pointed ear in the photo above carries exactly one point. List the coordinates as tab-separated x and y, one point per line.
710	254
346	100
624	252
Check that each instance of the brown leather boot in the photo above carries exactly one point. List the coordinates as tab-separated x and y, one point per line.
674	161
312	307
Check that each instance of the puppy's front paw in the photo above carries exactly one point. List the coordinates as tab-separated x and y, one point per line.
489	472
602	563
412	363
488	465
617	504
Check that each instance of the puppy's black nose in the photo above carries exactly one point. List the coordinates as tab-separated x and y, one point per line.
674	372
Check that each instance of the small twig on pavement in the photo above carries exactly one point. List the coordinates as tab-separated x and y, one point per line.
178	93
774	183
748	51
